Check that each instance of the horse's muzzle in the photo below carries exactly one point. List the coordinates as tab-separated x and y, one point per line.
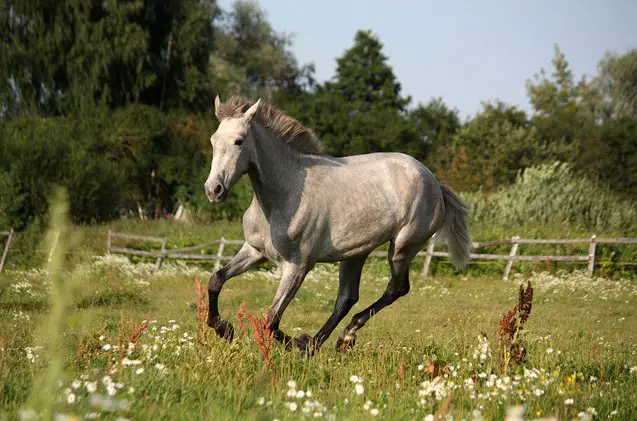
216	194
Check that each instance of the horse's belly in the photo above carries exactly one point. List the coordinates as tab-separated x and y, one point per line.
355	238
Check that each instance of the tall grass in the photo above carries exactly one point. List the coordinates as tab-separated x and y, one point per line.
51	332
552	194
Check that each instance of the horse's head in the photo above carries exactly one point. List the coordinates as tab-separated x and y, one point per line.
232	150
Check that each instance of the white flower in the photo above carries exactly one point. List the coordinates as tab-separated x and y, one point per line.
76	384
70	398
292	406
355	379
107	347
569	401
291	384
374	412
359	389
549	351
300	394
421	367
140	370
261	400
613	413
90	386
429	417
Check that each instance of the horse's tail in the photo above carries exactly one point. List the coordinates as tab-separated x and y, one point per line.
455	229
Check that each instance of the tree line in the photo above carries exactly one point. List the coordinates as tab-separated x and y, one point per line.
114	100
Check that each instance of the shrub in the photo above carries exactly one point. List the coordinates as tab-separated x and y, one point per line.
551	194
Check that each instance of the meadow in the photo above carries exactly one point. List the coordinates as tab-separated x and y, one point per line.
86	335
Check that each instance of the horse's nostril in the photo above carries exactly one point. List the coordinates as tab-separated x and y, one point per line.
217	189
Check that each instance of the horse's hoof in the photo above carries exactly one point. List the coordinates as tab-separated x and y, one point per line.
224	329
305	344
346	343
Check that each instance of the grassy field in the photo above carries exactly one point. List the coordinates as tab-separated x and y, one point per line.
85	335
106	338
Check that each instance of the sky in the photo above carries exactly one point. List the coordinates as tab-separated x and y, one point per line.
466	52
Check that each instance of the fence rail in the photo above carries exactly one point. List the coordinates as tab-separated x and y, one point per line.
428	254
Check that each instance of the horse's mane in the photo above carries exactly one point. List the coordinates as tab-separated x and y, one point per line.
287	128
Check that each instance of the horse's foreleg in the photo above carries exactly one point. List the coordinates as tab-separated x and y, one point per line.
348	287
293	276
247	258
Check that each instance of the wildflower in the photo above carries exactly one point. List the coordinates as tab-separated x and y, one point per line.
261	401
359	389
140	370
355	379
549	351
76	384
292	406
127	362
70	398
429	417
90	386
300	394
569	401
291	384
421	367
107	347
374	412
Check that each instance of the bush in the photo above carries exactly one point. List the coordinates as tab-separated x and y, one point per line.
38	154
552	194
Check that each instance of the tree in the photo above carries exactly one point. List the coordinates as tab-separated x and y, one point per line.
562	113
252	59
361	110
616	84
364	78
490	149
436	124
66	56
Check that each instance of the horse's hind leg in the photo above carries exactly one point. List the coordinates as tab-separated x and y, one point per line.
400	256
348	285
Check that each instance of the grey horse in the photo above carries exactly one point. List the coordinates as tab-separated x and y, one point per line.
311	208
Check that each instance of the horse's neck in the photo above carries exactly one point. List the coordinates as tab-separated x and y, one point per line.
276	171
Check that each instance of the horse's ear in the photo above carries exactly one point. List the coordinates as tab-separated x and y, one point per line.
217	105
249	114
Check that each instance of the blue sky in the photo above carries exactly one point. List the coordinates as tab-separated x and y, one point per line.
463	51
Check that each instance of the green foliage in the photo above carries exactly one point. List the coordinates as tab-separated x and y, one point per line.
362	109
498	143
364	78
77	54
552	194
252	59
39	154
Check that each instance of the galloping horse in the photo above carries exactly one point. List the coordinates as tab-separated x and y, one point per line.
310	208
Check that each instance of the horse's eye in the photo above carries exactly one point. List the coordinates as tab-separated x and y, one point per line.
239	141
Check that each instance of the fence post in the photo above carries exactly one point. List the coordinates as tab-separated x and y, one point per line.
428	256
109	242
162	252
591	255
6	250
513	253
220	253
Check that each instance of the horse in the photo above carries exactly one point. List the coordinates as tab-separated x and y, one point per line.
311	208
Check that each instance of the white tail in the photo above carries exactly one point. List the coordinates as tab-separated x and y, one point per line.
455	229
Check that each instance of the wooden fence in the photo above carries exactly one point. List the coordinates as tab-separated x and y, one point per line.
428	254
7	245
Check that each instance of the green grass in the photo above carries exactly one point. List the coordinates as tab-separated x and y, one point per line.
581	341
